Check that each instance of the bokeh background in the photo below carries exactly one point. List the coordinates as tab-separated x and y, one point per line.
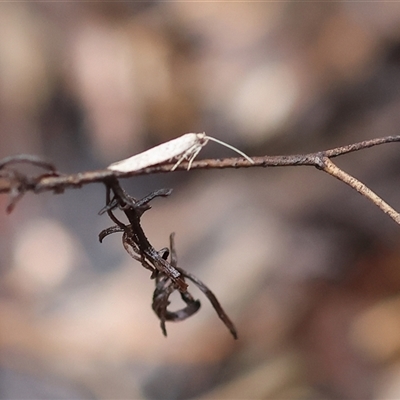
308	270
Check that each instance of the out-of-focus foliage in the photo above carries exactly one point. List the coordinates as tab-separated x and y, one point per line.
308	270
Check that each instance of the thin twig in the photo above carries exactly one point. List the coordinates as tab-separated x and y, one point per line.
332	169
49	183
321	160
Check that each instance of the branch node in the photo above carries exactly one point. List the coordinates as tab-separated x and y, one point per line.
320	161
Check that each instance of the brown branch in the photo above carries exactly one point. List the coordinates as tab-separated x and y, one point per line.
321	160
332	169
311	159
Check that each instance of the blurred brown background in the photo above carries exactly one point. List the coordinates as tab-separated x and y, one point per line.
308	270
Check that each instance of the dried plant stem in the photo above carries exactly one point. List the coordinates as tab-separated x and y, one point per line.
168	277
16	185
332	169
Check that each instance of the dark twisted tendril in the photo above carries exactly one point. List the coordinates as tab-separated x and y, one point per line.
168	277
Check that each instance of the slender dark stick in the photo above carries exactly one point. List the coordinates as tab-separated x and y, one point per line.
312	159
320	160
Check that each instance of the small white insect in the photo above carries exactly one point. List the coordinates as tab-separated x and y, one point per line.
185	147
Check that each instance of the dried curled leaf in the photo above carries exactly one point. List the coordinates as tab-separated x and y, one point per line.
168	277
18	182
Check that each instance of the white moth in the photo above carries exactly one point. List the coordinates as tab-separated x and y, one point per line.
185	147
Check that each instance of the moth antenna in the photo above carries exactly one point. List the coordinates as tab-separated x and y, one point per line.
231	147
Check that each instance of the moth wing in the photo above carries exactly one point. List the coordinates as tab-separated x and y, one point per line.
172	149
